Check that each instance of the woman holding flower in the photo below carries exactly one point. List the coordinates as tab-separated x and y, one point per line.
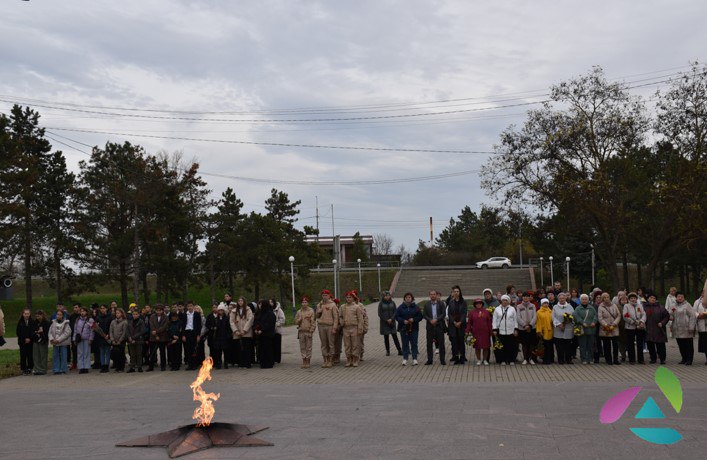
585	321
635	324
609	318
479	325
563	331
504	327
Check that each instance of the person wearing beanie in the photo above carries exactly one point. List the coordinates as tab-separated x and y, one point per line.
480	325
504	328
544	329
306	325
327	314
386	315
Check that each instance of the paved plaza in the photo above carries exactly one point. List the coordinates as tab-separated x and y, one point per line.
379	410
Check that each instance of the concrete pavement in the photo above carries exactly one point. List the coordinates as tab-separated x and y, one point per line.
379	410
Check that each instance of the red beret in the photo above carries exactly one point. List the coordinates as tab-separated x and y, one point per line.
327	292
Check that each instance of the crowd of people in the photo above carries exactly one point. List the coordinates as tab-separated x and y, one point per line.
236	333
546	326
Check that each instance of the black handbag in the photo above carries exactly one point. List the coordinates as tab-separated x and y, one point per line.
78	338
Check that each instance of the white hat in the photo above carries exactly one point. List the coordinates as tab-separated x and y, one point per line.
544	301
506	297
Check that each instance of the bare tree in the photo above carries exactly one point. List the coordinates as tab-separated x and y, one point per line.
382	244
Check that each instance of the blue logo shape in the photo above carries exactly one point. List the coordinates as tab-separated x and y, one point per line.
671	388
658	435
650	410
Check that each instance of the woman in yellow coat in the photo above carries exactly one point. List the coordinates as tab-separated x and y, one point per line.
543	326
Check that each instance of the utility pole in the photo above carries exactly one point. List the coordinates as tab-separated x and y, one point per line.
520	243
431	233
333	232
316	200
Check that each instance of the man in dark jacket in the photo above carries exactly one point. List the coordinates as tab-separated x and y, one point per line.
158	338
191	335
434	317
456	324
103	320
76	312
25	329
211	321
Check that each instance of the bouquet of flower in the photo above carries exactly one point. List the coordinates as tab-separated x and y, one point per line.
469	339
491	309
567	319
539	350
578	330
497	345
408	328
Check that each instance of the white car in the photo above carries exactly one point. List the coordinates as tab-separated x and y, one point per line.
494	262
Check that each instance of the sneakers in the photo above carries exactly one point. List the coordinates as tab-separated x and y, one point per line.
436	351
478	363
532	362
524	362
486	363
513	363
503	364
414	362
405	362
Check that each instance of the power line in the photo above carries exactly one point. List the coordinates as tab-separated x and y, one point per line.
276	144
304	182
332	109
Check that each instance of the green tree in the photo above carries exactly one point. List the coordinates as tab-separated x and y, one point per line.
561	159
25	157
358	251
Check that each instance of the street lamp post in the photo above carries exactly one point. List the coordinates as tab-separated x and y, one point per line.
552	274
542	281
379	278
567	259
336	287
360	283
593	283
292	276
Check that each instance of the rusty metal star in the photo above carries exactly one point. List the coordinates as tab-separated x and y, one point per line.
191	438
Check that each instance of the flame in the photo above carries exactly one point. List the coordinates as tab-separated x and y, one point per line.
204	413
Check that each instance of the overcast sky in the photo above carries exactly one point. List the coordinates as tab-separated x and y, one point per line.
266	60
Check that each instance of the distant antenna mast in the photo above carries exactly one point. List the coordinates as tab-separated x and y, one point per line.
316	199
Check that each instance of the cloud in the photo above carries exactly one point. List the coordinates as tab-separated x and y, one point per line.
256	56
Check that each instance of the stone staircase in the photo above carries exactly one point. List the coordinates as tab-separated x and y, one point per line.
419	280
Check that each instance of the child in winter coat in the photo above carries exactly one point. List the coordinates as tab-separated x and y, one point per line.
83	338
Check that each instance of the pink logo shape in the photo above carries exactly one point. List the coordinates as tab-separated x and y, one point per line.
615	407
